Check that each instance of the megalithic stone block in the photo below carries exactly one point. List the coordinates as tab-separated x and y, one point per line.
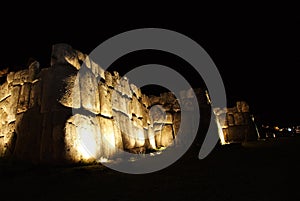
238	118
169	118
10	77
12	104
5	91
118	136
105	100
71	97
48	92
35	94
136	107
124	88
145	101
136	91
167	135
138	131
33	70
125	126
120	103
23	103
108	144
157	136
176	122
46	150
108	79
83	138
151	138
20	77
89	91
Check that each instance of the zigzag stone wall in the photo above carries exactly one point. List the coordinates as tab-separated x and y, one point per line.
74	111
70	112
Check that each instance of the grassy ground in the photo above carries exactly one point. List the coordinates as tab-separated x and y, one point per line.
264	170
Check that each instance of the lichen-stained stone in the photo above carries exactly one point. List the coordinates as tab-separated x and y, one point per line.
108	79
136	91
89	92
71	96
105	100
167	135
83	138
125	126
4	91
23	103
120	103
108	144
33	70
20	77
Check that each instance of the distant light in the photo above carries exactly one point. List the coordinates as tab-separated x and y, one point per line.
289	129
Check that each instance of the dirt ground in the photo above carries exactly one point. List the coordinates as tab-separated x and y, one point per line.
263	170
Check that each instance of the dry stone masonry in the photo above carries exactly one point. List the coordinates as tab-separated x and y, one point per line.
74	111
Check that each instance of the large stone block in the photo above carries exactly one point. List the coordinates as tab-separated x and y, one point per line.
23	103
83	138
136	107
35	94
124	87
136	91
71	96
108	140
125	125
121	103
5	91
105	100
20	77
89	91
167	135
33	71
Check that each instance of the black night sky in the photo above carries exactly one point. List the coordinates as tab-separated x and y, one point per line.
256	50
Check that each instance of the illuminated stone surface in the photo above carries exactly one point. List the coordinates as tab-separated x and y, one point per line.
74	111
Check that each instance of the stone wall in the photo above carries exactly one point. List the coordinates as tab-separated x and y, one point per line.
75	111
236	123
